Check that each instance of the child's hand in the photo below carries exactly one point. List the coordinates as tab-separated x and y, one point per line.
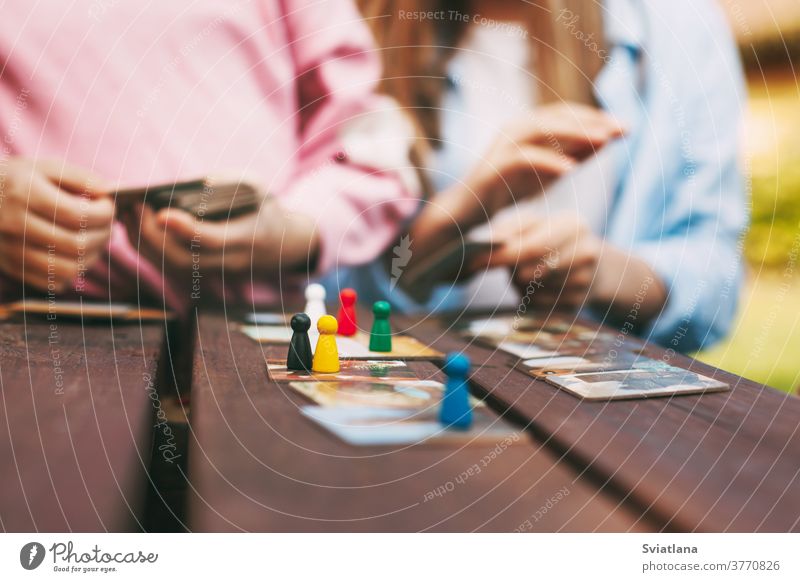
55	221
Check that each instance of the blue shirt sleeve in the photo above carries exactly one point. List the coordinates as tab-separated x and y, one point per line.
697	251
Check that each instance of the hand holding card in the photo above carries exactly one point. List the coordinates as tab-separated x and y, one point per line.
449	263
214	224
207	198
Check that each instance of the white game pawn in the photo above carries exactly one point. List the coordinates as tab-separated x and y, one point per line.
315	305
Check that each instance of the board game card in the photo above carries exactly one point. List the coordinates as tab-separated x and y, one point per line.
85	310
368	370
268	334
356	347
282	334
543	344
407	394
505	326
537	337
572	339
408	348
645	382
524	350
394	426
580	363
210	199
403	346
266	318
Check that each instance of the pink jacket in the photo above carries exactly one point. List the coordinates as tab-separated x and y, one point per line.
148	92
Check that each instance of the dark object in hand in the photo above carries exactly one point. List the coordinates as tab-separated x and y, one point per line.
202	198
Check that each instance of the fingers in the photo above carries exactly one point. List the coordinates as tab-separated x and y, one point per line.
568	276
569	134
538	244
592	118
182	224
71	211
599	115
73	178
519	168
39	232
545	160
181	241
565	277
215	236
38	267
573	129
551	291
159	245
562	299
190	230
553	259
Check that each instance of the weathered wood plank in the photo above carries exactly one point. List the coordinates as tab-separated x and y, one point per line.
76	420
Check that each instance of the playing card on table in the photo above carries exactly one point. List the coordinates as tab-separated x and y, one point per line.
508	326
649	379
396	426
540	344
406	394
524	350
403	346
266	318
350	370
573	363
268	334
355	347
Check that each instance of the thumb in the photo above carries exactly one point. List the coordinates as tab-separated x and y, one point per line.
179	222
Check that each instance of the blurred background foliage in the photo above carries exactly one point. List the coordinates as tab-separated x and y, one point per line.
764	343
772	152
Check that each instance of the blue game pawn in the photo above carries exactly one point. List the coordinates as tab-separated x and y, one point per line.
455	411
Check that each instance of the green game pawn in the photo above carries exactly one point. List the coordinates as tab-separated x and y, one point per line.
380	339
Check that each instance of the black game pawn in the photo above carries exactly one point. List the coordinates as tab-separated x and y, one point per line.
300	354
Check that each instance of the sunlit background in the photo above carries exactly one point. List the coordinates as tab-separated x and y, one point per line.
764	344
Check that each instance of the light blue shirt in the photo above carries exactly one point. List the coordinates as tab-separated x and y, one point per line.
673	76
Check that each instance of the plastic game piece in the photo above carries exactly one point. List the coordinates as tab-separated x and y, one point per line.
300	354
380	339
455	411
315	304
347	312
326	355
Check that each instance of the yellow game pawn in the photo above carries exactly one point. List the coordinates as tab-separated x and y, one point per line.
326	354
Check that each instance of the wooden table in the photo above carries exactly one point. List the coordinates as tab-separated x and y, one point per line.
77	408
255	464
720	462
76	416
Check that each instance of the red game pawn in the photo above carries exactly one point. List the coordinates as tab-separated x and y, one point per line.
347	312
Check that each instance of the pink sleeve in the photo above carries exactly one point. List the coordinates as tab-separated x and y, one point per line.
358	202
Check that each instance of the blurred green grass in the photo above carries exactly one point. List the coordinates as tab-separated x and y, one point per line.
772	156
764	343
765	340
